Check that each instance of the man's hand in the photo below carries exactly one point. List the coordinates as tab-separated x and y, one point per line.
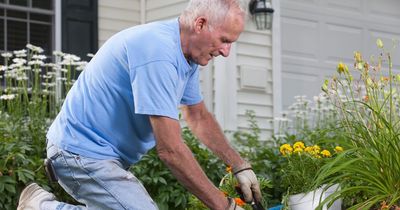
248	183
233	205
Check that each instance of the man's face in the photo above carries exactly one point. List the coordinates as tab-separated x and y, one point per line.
209	44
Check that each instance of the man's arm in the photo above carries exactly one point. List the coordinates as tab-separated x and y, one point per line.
205	127
179	159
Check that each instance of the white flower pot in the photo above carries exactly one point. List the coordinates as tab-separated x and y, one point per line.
310	200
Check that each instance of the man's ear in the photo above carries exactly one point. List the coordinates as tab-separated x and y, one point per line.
200	24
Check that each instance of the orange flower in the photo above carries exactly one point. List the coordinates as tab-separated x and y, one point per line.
366	98
229	169
384	79
239	202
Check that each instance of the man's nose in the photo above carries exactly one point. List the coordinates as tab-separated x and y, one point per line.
225	49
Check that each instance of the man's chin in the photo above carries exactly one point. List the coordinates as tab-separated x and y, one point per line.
202	63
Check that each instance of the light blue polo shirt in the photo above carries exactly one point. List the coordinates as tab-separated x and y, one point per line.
138	72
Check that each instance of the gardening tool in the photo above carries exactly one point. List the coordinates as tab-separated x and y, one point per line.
256	205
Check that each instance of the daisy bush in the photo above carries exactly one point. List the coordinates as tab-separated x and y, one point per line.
31	92
306	115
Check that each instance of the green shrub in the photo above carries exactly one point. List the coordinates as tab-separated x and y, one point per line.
27	106
163	186
263	156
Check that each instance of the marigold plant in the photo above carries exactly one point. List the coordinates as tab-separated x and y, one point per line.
301	164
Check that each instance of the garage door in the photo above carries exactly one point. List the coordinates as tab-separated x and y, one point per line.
316	34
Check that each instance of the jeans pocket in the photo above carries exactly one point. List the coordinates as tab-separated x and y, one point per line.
67	171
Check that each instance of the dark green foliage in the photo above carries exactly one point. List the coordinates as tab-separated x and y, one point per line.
264	158
163	186
22	150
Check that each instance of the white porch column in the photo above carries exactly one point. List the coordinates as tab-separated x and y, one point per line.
225	84
276	61
58	42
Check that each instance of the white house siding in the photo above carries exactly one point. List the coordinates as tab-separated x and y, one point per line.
117	15
164	9
317	34
254	78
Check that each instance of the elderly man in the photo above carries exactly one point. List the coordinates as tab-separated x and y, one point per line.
127	101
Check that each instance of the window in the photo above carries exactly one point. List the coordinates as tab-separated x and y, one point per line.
26	21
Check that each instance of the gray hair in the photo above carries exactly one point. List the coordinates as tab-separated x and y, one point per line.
215	10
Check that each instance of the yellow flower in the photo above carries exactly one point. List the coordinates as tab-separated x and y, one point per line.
326	153
325	85
316	148
298	150
286	149
228	169
342	68
357	56
298	144
379	43
313	150
309	150
338	149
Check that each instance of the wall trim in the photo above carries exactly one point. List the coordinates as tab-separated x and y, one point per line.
142	11
57	25
276	62
225	73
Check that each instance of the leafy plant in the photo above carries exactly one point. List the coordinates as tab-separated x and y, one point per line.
263	156
27	106
368	110
229	186
301	164
163	186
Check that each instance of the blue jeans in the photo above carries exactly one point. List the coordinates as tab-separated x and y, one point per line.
98	184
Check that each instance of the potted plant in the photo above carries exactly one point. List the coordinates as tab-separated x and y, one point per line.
367	100
298	174
229	187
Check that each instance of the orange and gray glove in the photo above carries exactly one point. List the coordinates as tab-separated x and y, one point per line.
248	183
233	205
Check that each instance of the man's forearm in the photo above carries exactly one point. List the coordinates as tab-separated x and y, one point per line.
209	132
180	160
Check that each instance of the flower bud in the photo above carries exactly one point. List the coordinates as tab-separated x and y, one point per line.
379	43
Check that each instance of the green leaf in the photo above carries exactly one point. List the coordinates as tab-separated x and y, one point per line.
10	188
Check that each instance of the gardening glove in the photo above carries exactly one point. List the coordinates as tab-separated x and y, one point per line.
233	205
248	183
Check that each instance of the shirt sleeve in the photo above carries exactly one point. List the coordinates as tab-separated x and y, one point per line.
154	88
192	94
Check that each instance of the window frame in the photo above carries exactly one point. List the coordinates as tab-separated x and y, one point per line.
29	9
